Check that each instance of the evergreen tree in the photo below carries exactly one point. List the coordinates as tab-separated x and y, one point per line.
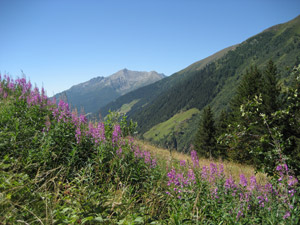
249	87
205	139
270	89
221	128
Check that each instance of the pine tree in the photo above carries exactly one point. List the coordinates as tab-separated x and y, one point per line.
205	139
249	86
270	89
221	128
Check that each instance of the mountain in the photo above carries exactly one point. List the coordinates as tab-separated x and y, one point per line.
211	81
99	91
143	96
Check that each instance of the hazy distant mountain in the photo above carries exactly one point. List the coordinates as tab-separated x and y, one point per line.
90	96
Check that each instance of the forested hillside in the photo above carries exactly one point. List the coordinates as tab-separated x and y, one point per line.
145	95
216	83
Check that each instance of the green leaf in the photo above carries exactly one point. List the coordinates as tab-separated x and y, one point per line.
139	220
99	219
87	219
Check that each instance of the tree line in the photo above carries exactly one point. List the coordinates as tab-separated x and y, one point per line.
260	127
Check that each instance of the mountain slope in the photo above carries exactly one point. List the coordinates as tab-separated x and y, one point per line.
145	95
215	84
99	91
212	83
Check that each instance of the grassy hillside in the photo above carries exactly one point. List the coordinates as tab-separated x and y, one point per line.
55	168
180	122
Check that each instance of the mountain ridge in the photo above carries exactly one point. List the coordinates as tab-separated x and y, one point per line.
98	91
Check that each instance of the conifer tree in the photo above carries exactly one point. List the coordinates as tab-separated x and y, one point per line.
249	87
205	139
270	89
221	128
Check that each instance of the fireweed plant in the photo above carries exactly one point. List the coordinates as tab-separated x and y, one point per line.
59	168
216	197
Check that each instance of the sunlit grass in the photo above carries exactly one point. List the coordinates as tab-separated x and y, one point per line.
233	169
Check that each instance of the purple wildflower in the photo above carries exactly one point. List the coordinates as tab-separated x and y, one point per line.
243	180
240	213
119	151
195	158
230	184
253	183
153	163
78	134
82	119
182	163
292	181
287	214
291	192
204	172
116	134
221	170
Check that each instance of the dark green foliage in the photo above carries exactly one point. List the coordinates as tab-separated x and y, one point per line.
249	87
221	127
205	140
268	135
254	83
270	89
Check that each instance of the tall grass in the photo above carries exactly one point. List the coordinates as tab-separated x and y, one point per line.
232	169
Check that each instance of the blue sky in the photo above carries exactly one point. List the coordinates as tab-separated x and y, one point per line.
60	43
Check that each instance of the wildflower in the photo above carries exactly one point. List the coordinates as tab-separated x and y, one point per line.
195	158
204	172
240	213
230	184
82	119
78	134
221	170
182	163
292	192
191	176
116	134
154	163
262	199
286	167
292	181
147	157
215	193
119	151
253	183
213	172
243	180
287	214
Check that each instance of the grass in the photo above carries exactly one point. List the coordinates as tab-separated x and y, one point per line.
161	130
127	107
168	157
